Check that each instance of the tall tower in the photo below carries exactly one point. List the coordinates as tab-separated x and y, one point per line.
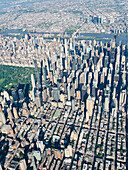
102	20
84	93
15	113
10	116
23	165
33	81
33	87
2	118
89	105
39	86
37	75
69	91
56	94
66	54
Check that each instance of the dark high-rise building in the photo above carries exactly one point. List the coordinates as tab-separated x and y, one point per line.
93	91
39	90
63	62
106	61
14	95
37	75
21	94
83	93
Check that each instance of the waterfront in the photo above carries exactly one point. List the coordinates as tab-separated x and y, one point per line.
123	38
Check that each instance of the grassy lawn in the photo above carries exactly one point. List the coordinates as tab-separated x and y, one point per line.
12	76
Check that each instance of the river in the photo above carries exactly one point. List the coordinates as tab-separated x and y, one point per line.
90	36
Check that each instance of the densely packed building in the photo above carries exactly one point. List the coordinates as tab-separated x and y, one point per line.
76	114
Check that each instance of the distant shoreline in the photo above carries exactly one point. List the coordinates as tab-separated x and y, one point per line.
80	36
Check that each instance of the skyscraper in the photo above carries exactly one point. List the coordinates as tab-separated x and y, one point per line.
33	81
23	165
89	105
15	113
33	87
66	54
37	75
10	116
2	118
39	89
21	94
69	91
56	94
102	20
83	93
14	95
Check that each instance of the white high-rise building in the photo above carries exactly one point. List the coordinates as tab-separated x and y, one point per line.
2	118
23	165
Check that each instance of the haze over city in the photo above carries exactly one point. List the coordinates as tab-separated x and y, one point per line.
63	85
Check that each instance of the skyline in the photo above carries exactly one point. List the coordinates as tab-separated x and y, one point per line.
63	85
